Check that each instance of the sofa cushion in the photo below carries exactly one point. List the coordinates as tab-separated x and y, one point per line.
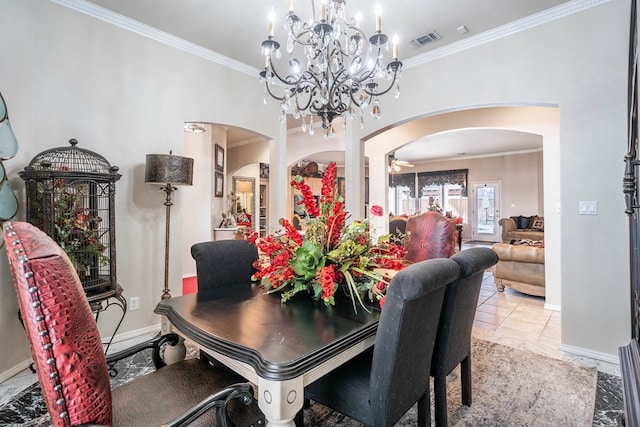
520	253
521	221
537	224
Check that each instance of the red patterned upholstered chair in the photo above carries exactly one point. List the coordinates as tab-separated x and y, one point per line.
430	235
72	367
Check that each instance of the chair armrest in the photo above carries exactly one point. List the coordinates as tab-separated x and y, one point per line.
508	224
154	343
220	401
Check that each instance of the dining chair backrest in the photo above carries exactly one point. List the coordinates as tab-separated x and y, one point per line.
397	228
63	334
406	336
459	308
224	263
453	342
430	235
71	364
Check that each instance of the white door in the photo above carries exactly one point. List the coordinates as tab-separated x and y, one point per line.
486	212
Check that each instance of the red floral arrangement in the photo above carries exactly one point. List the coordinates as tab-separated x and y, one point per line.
330	256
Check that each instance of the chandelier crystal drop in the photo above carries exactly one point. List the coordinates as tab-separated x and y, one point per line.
334	69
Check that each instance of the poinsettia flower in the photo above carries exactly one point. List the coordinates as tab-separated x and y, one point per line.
376	210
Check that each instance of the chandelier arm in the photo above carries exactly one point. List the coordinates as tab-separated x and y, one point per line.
310	90
296	37
273	95
372	93
363	38
280	78
371	73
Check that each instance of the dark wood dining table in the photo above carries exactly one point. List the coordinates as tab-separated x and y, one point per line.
280	347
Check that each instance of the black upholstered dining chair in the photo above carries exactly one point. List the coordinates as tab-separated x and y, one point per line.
453	341
378	387
397	229
224	263
73	369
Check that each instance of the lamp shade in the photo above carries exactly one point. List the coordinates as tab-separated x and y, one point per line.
168	169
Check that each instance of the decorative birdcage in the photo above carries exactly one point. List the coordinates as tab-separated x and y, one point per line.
70	196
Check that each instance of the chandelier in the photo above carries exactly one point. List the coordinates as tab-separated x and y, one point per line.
344	72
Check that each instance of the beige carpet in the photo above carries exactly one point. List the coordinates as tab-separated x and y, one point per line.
510	388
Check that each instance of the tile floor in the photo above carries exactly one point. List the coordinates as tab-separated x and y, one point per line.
518	320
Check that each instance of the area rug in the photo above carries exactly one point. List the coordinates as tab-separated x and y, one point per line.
510	388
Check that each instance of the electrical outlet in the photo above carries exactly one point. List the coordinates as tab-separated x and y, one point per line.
134	303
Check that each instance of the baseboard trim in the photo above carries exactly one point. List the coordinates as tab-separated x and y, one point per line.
133	334
11	372
552	307
580	351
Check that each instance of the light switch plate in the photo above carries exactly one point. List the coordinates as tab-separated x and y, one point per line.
589	207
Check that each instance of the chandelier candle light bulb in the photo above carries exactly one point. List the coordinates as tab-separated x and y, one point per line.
272	18
378	17
395	45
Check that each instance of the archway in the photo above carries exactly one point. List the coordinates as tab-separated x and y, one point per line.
540	120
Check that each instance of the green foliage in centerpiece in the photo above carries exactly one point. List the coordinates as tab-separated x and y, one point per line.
329	255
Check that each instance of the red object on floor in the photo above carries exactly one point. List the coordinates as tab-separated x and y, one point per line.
189	285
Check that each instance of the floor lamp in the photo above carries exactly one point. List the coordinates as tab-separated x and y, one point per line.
168	170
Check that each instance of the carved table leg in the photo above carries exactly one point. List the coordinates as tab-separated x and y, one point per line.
172	353
280	401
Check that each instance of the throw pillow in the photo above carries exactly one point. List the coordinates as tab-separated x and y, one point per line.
538	225
522	221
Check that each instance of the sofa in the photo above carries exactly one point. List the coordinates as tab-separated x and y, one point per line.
520	267
522	228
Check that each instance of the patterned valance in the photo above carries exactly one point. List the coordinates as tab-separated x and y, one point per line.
404	180
455	176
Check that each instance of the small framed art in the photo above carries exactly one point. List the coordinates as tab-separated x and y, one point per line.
264	171
219	158
219	184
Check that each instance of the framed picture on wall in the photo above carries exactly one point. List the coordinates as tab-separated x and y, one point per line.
341	186
219	158
218	184
264	171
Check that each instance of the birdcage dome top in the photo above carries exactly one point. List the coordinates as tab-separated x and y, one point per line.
70	160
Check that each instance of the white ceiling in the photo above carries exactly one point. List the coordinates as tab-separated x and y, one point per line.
236	29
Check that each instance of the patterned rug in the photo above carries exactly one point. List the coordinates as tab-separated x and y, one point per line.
510	388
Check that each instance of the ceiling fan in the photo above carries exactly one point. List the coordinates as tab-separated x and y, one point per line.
396	165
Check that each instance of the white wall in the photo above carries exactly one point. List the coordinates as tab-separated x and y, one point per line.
520	176
67	75
559	64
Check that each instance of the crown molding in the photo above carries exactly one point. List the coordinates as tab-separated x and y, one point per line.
514	27
144	30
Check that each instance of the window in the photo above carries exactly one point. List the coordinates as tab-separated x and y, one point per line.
401	198
445	189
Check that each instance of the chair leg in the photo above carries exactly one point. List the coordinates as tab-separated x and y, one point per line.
440	399
465	378
299	418
424	409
